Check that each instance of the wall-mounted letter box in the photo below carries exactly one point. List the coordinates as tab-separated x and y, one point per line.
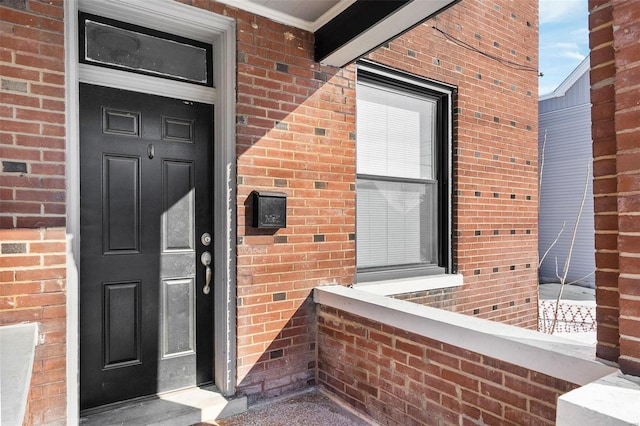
269	209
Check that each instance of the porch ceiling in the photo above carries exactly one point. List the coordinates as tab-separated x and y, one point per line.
346	29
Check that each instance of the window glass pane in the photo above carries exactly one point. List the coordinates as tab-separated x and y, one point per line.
396	223
395	133
106	44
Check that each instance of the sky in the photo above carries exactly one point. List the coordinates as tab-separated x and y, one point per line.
564	40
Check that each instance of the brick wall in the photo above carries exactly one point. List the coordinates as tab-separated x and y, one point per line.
495	154
615	72
32	197
626	23
604	183
398	377
296	134
32	289
32	115
444	298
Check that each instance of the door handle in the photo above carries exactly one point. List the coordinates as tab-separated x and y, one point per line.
206	261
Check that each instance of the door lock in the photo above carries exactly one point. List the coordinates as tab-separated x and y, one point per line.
205	239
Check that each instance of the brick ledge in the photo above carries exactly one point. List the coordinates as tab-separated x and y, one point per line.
552	355
611	400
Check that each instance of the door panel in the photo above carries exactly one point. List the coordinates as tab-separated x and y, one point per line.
121	324
177	200
120	208
145	324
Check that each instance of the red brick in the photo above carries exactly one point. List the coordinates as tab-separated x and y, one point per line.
409	348
608	334
604	94
603	111
606	260
503	395
629	328
45	63
47	9
19	207
39	115
482	372
19	261
19	127
460	379
20	315
608	350
17	72
630	243
599	15
35	300
601	39
52	25
19	17
40	141
606	222
47	273
606	297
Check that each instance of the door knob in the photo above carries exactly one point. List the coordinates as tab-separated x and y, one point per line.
206	261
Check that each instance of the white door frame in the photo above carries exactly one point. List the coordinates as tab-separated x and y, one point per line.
186	21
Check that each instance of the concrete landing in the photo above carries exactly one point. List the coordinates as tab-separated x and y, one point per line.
311	407
185	407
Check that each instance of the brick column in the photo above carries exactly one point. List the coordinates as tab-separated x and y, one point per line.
615	77
626	27
32	193
604	174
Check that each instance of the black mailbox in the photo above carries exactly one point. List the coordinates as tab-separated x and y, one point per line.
269	209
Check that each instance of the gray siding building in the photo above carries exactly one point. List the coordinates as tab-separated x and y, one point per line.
565	117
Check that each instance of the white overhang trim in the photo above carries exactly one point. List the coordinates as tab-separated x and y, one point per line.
405	18
287	19
552	355
411	285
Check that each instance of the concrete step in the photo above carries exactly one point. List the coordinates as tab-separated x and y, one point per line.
17	349
185	407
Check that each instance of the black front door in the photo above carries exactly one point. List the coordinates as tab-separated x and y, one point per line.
145	322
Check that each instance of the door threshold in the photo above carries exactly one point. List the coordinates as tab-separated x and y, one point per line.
183	407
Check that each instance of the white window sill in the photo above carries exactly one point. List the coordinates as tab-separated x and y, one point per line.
410	285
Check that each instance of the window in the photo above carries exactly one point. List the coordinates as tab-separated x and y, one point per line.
114	44
403	174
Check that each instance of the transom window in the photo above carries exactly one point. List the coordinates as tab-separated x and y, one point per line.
402	184
114	44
